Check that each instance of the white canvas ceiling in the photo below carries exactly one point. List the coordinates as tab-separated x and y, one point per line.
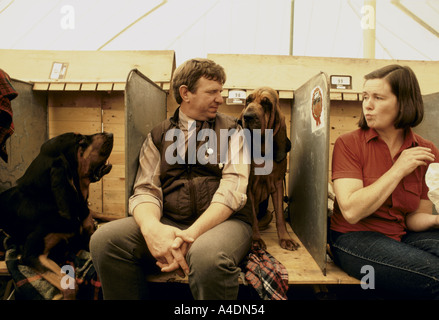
405	29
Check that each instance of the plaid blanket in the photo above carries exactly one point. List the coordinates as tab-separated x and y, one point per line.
266	274
7	94
31	286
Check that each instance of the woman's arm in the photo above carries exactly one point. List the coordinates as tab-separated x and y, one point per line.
357	202
422	219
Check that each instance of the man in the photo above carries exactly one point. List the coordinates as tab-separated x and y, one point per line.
186	214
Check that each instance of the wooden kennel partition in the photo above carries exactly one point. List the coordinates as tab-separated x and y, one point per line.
30	125
88	98
145	107
308	166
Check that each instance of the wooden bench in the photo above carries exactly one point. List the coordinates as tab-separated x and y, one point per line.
9	289
302	269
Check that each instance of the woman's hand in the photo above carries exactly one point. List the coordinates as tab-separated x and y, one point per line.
412	158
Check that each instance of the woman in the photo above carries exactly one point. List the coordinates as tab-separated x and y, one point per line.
382	216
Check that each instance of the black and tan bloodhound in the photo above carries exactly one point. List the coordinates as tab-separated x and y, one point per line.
48	207
262	111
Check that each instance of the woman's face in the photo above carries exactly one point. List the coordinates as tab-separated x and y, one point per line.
380	105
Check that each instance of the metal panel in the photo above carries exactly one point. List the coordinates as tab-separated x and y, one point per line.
428	128
145	107
30	121
308	173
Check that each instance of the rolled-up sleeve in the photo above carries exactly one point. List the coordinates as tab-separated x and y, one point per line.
147	186
232	190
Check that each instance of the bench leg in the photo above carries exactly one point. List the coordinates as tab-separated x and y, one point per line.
322	293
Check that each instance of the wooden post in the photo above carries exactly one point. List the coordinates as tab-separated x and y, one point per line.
368	23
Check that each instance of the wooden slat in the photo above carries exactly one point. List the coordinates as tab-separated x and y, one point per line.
3	269
113	120
284	94
57	86
120	86
104	87
41	86
72	87
89	86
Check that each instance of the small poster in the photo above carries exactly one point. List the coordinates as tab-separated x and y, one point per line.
317	111
58	71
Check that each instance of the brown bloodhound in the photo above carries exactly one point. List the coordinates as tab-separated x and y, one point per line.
262	111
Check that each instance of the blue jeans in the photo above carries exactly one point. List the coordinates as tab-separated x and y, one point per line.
406	269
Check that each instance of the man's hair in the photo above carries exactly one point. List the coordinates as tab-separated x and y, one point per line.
405	87
190	71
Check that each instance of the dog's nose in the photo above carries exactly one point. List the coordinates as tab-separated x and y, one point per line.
249	116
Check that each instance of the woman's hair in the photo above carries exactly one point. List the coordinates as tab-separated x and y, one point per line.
405	87
190	71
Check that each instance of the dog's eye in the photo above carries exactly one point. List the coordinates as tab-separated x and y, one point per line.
249	99
266	103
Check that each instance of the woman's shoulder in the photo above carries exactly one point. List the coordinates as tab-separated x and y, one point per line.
424	142
355	136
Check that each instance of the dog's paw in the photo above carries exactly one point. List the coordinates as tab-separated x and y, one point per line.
289	244
258	244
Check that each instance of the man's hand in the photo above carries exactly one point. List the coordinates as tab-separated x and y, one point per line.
159	238
160	241
179	249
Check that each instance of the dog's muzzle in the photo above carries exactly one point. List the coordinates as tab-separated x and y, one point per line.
100	171
251	121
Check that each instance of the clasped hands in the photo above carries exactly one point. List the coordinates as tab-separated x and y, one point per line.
170	247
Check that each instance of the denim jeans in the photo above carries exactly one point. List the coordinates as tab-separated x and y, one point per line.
406	269
122	260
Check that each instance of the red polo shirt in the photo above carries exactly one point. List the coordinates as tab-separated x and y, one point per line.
363	155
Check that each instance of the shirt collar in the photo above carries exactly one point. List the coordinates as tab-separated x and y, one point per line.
410	139
184	119
180	118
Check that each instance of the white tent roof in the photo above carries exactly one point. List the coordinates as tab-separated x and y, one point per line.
405	29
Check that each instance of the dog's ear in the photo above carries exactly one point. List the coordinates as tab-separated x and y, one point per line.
281	143
276	118
59	144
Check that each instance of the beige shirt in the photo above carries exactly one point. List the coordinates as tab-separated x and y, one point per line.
233	185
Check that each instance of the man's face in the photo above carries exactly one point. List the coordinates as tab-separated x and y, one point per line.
203	104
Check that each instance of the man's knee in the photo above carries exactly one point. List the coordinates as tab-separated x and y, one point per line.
115	235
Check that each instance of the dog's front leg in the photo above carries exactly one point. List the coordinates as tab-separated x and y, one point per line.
285	240
256	238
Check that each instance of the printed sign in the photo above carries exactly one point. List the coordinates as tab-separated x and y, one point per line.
317	111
